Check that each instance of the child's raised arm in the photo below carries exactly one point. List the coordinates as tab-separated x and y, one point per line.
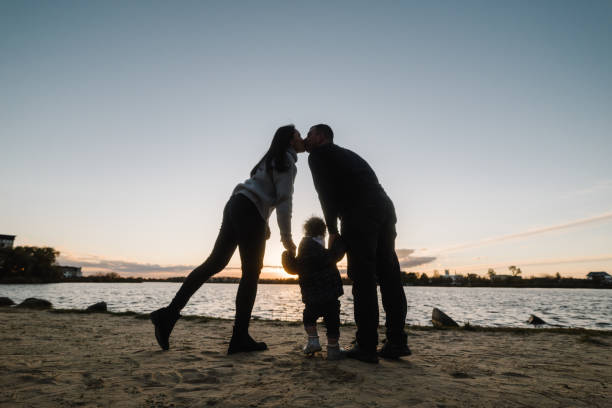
336	251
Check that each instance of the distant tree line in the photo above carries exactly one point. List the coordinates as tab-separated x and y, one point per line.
29	264
474	280
25	264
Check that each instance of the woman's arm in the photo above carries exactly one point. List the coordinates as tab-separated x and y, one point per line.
283	182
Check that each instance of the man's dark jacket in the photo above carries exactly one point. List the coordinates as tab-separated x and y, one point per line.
316	268
344	182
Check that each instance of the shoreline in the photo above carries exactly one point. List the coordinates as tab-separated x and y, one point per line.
75	358
464	328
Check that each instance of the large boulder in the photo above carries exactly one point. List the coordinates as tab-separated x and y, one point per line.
4	301
535	320
441	319
34	303
98	307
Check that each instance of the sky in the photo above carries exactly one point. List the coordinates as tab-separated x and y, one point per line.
125	126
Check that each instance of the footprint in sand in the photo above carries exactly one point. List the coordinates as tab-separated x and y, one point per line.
167	378
193	376
132	390
38	380
338	375
211	353
150	380
92	382
190	358
512	374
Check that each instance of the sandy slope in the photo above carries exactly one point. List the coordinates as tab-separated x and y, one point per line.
69	359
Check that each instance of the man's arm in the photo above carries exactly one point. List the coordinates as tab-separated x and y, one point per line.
323	183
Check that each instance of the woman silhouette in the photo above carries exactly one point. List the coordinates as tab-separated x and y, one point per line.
245	226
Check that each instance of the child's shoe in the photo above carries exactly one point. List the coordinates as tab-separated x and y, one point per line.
312	346
334	352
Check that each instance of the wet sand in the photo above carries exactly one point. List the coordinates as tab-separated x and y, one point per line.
50	359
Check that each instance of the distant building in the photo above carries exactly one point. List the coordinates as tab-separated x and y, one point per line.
6	241
71	271
454	278
599	276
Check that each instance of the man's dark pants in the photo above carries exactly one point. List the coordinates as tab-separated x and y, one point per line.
369	233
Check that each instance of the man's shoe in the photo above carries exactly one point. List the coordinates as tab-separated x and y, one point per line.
164	321
360	354
243	342
394	350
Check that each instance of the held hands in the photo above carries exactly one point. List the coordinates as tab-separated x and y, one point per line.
289	245
289	262
286	259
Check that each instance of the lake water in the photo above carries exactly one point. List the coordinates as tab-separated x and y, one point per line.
511	307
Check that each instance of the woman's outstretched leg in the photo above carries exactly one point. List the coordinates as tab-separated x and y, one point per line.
165	318
224	248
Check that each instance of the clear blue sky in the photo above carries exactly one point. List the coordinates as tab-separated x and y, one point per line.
124	126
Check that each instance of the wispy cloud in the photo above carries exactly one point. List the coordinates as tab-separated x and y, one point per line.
480	268
94	264
97	264
535	231
408	261
598	187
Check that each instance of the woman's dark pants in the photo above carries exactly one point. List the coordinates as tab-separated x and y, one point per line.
242	227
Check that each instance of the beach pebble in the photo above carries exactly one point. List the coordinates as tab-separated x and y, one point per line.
34	303
535	320
4	301
98	307
441	319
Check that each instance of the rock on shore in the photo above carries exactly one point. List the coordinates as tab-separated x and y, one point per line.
34	303
4	301
535	320
441	319
98	307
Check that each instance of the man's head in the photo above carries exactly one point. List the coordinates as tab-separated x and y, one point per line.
318	135
314	227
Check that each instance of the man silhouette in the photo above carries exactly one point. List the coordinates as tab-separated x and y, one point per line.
349	190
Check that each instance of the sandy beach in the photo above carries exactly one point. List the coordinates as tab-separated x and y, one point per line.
52	359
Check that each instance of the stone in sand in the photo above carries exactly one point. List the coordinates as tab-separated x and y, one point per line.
34	303
441	319
97	307
4	301
535	320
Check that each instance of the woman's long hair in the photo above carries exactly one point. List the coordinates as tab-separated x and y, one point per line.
276	157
